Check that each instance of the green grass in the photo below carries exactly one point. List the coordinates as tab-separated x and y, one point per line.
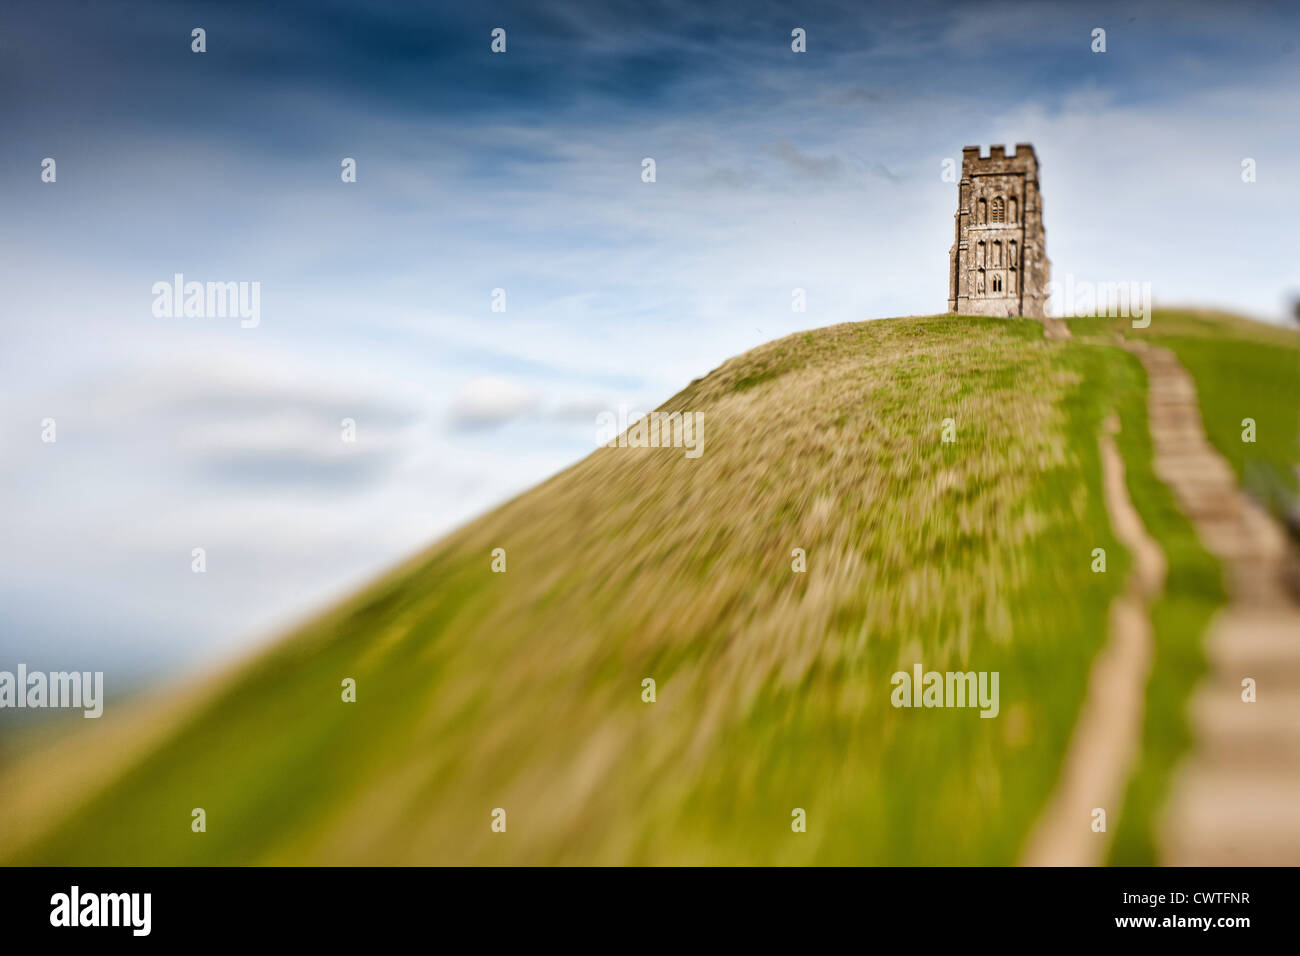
1240	380
523	690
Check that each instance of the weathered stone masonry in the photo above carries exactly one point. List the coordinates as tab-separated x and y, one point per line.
998	262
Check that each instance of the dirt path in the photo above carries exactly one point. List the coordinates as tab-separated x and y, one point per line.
1105	741
1055	328
1236	798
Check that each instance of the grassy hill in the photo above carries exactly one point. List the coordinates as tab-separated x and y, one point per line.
523	691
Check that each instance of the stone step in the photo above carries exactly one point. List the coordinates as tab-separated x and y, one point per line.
1231	734
1220	817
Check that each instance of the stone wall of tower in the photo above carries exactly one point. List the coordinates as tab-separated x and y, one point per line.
998	263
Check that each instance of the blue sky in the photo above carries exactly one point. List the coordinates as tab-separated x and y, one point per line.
521	171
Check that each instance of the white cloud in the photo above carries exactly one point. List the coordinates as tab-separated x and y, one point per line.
490	400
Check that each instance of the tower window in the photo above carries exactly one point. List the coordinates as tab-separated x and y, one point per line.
999	210
997	283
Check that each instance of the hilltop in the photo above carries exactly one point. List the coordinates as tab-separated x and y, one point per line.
524	690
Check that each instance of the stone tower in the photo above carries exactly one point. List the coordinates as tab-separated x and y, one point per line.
998	263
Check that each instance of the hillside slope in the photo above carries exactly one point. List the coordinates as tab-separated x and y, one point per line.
523	690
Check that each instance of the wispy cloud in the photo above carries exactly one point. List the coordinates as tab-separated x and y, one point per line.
484	402
806	166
